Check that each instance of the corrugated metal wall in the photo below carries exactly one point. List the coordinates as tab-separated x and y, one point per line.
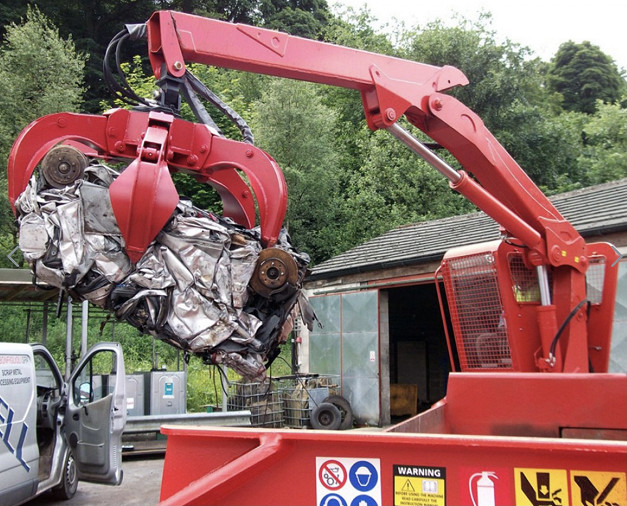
348	346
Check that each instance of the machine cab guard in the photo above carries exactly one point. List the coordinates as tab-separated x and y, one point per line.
96	414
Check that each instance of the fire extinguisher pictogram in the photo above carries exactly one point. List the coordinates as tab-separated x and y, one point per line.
485	488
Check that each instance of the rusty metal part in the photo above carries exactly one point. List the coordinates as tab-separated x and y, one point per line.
63	165
275	269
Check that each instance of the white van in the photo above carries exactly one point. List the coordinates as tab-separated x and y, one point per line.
53	433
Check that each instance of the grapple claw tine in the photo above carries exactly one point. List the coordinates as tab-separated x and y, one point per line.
143	198
42	135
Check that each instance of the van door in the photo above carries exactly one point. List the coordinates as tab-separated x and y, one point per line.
96	414
19	454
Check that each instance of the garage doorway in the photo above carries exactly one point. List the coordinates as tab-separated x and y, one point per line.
418	354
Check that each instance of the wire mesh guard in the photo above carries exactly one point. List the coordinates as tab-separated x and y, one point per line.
524	280
286	401
477	312
595	279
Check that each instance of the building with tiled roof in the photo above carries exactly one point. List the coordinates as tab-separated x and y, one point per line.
382	331
598	212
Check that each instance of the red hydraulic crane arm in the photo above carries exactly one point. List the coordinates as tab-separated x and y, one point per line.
390	87
159	142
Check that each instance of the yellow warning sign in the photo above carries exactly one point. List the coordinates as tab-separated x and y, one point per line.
541	486
419	486
597	488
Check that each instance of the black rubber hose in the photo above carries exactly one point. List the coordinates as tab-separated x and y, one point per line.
566	321
209	95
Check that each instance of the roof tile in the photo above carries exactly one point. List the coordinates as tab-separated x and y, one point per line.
591	210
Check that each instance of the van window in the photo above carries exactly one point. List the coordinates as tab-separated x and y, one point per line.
46	378
96	379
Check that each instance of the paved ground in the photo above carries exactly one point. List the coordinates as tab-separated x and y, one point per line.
141	486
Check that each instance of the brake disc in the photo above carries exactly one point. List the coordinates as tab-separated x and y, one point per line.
63	165
275	270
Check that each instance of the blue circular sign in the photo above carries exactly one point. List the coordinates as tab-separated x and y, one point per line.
333	500
363	476
364	500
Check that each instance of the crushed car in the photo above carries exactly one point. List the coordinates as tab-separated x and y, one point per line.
204	285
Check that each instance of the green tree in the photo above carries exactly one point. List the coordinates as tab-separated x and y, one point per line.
296	22
296	128
395	187
41	73
506	90
546	145
500	73
352	29
605	153
305	18
91	24
583	75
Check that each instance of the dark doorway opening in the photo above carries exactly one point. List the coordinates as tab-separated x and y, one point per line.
419	357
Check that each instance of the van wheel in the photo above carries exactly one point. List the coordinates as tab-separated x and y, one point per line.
67	488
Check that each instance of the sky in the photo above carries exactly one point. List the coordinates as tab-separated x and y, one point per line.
540	25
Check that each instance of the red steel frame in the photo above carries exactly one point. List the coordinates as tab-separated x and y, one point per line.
530	345
482	425
274	467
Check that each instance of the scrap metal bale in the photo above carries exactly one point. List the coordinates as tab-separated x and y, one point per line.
194	287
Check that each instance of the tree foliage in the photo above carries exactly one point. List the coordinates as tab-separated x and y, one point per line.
393	187
584	75
91	25
297	128
41	73
604	157
500	73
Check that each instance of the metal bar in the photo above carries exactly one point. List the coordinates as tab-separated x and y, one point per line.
225	385
543	282
84	324
466	186
153	423
28	315
44	324
423	151
175	37
68	340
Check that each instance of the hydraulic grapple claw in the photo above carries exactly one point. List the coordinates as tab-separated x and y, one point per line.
144	195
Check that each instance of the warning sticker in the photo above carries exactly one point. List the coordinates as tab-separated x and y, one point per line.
596	488
332	474
541	487
485	486
348	482
419	486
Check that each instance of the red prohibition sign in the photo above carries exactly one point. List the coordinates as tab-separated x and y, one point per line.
332	474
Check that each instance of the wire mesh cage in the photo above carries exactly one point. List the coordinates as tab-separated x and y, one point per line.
262	399
285	401
301	394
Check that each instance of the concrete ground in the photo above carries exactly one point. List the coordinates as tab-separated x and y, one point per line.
141	486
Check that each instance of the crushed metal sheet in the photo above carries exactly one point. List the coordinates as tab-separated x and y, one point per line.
191	288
